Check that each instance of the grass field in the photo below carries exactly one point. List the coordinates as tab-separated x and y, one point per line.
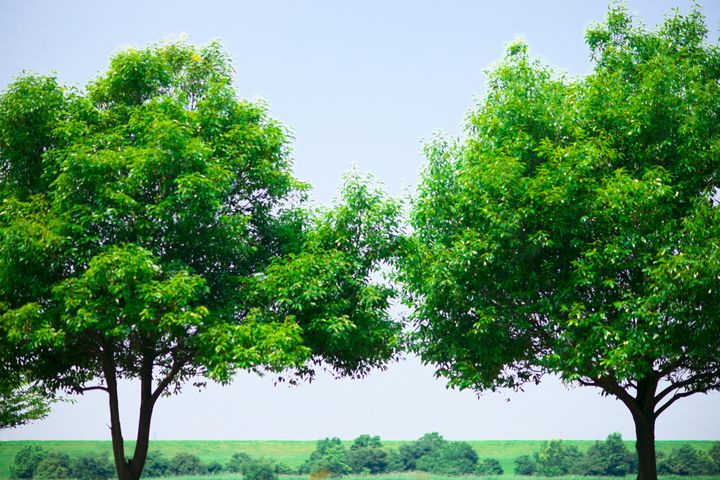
294	453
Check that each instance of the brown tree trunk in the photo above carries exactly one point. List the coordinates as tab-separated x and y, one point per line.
130	469
644	418
645	445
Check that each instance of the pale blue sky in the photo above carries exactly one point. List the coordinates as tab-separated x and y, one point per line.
358	83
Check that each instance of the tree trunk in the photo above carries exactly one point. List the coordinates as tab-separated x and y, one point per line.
130	469
645	445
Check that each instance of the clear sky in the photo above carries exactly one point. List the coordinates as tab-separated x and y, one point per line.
359	83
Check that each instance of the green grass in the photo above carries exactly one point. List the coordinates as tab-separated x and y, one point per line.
294	453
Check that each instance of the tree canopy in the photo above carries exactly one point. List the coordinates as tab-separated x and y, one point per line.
574	229
151	229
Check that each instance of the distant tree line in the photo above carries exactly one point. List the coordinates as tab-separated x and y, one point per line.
34	462
366	455
612	458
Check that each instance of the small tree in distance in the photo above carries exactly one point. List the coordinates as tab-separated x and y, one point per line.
575	231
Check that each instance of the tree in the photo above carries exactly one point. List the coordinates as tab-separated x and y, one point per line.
151	229
609	458
366	455
574	231
26	461
329	457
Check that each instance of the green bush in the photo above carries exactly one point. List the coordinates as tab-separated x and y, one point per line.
686	461
92	467
525	465
259	469
54	466
489	466
187	464
395	461
714	455
237	462
556	458
366	455
426	445
215	467
608	458
156	465
26	461
451	458
329	458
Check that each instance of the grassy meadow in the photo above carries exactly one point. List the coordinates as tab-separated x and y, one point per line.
294	453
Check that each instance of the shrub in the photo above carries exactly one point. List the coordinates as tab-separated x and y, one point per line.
525	465
259	469
452	458
92	467
686	461
54	466
215	467
283	469
329	458
187	464
156	465
395	461
366	455
556	458
237	462
426	445
26	461
489	466
608	458
714	454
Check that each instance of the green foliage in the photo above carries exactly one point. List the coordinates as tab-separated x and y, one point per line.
237	462
26	461
437	455
686	461
156	465
609	458
428	444
557	458
187	464
215	467
525	465
54	466
151	229
21	404
574	229
714	455
328	458
489	466
366	455
260	469
92	467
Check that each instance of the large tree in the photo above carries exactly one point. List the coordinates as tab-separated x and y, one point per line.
575	229
150	229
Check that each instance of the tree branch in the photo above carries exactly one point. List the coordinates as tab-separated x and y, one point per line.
177	366
94	387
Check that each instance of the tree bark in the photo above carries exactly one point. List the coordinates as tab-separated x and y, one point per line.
645	445
130	469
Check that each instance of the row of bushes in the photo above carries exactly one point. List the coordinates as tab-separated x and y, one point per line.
612	458
366	455
34	462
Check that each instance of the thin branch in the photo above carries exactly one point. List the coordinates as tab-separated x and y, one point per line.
675	398
95	387
684	383
177	366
